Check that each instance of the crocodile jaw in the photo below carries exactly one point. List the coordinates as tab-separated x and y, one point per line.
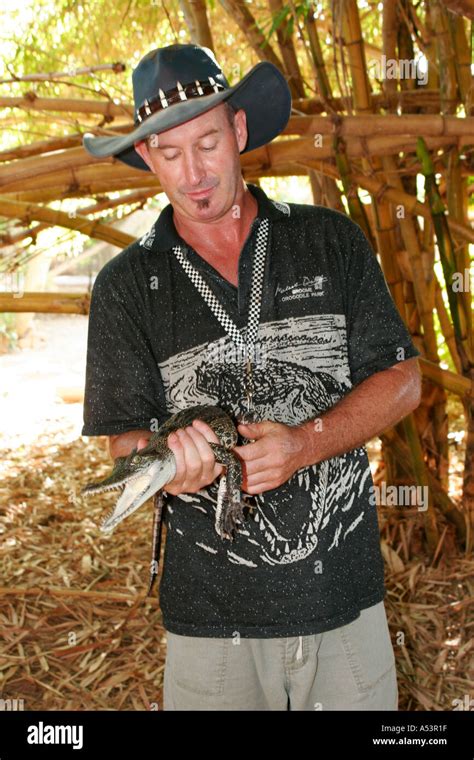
138	490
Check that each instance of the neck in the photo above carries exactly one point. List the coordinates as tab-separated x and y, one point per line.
226	233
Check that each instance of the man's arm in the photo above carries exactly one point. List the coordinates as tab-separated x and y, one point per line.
377	403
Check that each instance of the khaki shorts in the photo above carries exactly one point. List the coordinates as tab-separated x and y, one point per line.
347	668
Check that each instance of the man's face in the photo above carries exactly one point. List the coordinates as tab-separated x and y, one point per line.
198	162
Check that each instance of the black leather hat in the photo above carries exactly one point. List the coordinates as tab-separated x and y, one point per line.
174	84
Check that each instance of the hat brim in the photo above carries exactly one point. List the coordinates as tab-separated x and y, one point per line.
263	93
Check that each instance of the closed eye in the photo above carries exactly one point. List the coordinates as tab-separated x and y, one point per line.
173	158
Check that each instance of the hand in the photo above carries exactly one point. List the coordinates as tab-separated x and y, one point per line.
279	450
195	462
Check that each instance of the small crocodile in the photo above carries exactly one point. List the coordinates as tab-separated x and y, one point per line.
144	473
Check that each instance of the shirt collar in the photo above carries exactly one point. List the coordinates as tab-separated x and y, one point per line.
163	235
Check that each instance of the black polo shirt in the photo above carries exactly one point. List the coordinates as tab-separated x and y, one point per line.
309	558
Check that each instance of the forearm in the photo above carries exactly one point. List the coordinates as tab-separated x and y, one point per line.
377	403
121	445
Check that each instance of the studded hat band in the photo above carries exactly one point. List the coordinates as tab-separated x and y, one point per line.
195	89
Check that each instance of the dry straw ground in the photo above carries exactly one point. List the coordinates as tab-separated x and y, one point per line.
74	636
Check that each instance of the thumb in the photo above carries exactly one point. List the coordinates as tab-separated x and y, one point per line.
254	429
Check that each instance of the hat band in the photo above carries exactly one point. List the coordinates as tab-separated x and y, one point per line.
161	101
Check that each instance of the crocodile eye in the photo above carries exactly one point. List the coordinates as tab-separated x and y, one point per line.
136	459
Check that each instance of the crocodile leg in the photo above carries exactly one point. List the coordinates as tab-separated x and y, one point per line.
229	503
157	533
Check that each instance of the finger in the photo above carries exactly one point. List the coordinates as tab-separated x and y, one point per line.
260	488
192	458
208	459
259	478
253	430
141	443
174	443
252	451
258	469
206	430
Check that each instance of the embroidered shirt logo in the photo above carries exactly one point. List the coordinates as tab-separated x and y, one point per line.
148	238
307	287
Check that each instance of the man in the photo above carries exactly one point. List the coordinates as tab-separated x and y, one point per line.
289	615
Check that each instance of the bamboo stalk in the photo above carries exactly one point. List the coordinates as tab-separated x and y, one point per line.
399	197
40	147
443	502
239	12
137	196
457	205
203	33
450	381
286	48
446	326
117	68
30	101
44	171
92	228
429	125
362	125
445	56
356	207
427	98
103	170
50	303
190	20
421	478
27	168
462	59
317	62
448	256
97	187
390	26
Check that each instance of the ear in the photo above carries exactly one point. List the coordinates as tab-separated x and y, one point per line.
142	150
240	126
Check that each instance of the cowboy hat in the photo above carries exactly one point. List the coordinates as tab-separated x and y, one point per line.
174	84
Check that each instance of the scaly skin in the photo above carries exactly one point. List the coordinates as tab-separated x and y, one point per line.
143	474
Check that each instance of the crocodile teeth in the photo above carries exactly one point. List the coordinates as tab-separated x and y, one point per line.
102	489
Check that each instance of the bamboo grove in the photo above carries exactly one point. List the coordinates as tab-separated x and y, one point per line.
393	151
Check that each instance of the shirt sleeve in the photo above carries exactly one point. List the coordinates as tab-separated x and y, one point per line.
123	386
376	334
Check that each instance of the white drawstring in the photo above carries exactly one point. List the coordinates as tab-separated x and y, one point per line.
299	653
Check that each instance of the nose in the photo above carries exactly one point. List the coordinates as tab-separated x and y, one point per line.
193	169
